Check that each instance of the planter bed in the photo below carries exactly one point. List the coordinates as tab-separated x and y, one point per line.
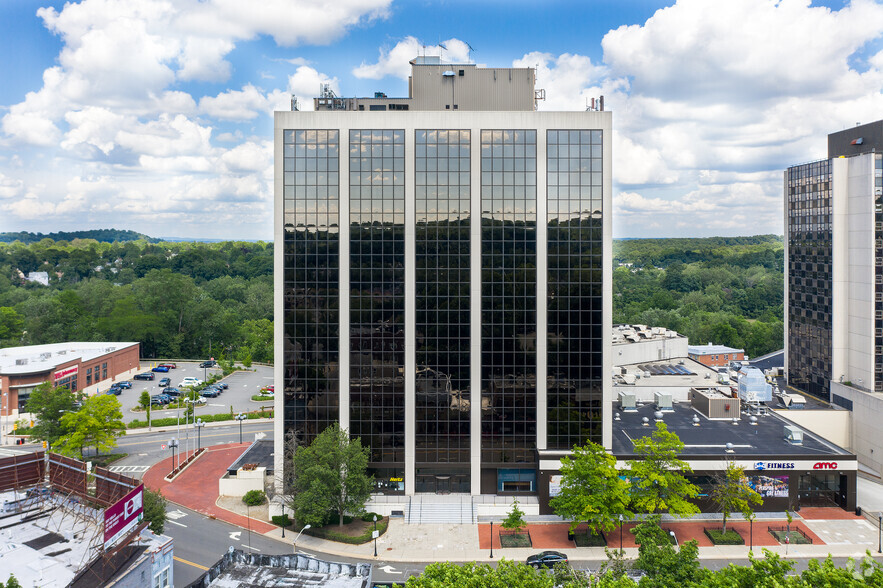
515	539
718	537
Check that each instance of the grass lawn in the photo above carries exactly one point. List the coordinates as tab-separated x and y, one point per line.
795	538
589	540
516	540
718	537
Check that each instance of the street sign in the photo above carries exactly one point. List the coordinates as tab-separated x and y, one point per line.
164	446
375	534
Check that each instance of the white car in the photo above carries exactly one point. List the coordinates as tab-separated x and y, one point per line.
197	400
189	382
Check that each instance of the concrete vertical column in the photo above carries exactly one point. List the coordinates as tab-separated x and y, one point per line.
410	314
839	269
542	266
475	311
605	123
343	207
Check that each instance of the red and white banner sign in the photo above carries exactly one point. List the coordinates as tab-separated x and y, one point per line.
123	516
68	371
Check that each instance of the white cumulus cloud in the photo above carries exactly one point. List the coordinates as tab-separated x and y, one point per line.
395	62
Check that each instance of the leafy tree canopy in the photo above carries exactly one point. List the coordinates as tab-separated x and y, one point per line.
658	478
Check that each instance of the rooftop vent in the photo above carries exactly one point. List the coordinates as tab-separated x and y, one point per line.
793	435
627	401
663	401
645	422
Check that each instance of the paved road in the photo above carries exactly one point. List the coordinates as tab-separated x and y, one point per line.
242	386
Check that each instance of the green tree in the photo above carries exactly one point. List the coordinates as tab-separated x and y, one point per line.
514	520
12	582
475	575
11	324
592	490
155	505
658	484
731	493
97	424
144	402
330	476
665	565
48	405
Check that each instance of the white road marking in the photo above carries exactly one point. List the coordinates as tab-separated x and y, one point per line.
131	469
250	547
389	570
176	514
307	553
179	524
234	535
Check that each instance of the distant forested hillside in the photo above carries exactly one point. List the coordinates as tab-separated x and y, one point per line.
725	290
101	235
176	299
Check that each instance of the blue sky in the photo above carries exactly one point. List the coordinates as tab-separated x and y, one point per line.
157	116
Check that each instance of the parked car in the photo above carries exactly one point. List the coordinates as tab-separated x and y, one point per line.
268	390
210	393
165	382
125	384
189	382
546	559
144	376
171	391
169	365
114	392
160	399
221	385
197	400
160	368
208	364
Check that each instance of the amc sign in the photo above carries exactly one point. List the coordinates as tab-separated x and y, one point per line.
825	465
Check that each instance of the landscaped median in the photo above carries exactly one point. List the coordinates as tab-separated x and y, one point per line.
206	418
354	531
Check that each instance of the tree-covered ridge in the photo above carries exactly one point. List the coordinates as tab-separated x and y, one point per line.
725	290
102	235
176	299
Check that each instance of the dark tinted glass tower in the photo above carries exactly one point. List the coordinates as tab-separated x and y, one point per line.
459	324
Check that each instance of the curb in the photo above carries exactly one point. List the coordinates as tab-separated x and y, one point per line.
167	428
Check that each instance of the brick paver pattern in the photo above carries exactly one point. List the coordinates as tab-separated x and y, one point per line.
197	487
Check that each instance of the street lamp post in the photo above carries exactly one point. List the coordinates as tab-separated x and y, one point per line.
283	520
621	552
305	527
199	425
375	535
240	417
751	533
880	533
492	539
173	445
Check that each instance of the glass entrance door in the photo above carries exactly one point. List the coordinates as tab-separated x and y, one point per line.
817	489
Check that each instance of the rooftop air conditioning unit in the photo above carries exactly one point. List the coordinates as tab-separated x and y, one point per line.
793	435
627	402
662	401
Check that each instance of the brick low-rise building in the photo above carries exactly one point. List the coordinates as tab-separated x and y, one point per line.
82	366
715	355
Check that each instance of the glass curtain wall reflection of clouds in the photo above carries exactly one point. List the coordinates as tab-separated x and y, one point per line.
508	296
311	280
575	236
442	201
377	295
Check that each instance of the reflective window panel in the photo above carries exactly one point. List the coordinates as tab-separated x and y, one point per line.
377	292
575	287
508	296
442	306
311	287
810	277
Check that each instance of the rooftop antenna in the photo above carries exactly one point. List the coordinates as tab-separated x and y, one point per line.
471	50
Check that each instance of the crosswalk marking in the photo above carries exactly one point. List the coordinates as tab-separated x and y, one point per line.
131	469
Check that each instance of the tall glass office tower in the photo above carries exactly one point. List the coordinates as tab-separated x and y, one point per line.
443	278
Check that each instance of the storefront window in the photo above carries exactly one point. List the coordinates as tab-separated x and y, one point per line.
516	480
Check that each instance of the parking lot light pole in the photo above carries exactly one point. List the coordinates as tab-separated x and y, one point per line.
375	535
199	425
298	536
283	520
880	533
620	535
240	417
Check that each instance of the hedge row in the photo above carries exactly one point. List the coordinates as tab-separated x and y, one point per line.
328	532
206	418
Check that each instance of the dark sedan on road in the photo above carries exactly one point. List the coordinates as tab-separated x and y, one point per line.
208	364
144	376
546	559
170	391
125	384
210	393
164	382
114	391
160	399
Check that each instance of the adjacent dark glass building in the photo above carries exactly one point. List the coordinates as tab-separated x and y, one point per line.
458	324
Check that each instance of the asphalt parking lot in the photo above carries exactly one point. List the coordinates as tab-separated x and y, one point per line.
242	386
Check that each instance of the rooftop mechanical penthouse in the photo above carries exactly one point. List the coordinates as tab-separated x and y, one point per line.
443	274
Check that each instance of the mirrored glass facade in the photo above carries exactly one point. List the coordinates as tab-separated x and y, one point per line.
442	206
377	295
508	296
311	280
810	277
575	300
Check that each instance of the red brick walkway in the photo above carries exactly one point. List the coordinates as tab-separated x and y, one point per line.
197	487
554	535
814	513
